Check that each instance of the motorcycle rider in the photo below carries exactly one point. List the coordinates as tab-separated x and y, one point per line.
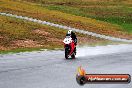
73	36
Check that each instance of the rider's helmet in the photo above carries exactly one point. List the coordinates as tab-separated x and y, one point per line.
69	32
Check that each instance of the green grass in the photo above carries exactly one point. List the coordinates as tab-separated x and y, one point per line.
40	12
12	29
117	12
84	15
125	21
119	7
20	50
127	27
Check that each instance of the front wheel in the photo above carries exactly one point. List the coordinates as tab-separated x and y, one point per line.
66	53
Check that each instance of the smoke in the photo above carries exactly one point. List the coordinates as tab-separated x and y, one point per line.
89	51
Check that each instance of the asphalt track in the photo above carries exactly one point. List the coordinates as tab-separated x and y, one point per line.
49	69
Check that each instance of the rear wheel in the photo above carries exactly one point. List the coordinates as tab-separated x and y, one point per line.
74	53
73	56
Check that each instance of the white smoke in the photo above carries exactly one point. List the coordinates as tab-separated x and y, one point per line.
88	51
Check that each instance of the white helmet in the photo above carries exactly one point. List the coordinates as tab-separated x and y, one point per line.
69	32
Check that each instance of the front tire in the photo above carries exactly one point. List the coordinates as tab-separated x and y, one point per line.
66	53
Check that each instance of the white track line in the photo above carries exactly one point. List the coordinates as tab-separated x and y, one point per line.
67	28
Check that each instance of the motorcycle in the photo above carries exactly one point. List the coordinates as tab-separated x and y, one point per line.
69	46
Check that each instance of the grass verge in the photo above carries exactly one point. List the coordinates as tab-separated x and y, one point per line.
40	12
17	35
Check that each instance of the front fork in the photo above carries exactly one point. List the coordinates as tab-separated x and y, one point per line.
72	48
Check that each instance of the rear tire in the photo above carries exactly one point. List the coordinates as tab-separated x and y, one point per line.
73	56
